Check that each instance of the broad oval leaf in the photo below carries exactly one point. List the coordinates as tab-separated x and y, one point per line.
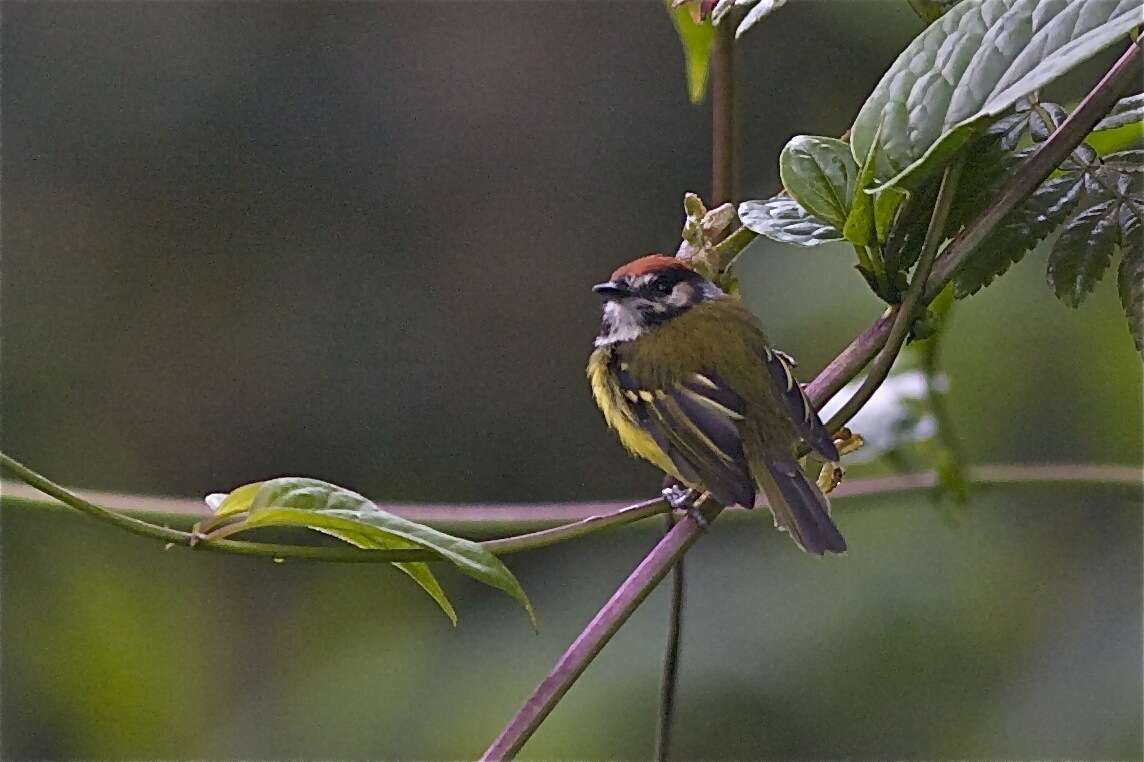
821	175
971	66
782	219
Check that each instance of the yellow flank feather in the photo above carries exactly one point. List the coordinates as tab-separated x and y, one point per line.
619	414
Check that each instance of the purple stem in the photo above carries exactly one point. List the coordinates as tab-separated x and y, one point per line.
656	564
599	631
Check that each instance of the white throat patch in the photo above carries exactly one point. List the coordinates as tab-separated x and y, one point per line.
623	323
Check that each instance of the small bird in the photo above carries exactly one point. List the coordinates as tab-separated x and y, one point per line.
685	376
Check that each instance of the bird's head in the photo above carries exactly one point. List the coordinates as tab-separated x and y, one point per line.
648	292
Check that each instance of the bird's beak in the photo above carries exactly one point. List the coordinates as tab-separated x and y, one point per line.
612	290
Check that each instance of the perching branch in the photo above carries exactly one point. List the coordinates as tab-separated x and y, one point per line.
515	544
839	372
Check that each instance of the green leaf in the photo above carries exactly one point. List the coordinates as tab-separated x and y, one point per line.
1130	282
821	175
697	39
238	501
1116	139
762	9
1128	162
343	513
860	227
969	67
418	571
782	219
375	525
1126	111
1083	252
1044	119
1021	230
886	204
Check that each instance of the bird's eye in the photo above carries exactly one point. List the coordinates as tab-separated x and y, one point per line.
663	287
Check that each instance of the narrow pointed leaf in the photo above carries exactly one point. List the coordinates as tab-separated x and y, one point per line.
762	9
375	525
351	517
1129	162
721	9
886	203
1044	119
1126	111
697	38
417	571
782	219
1083	252
972	65
860	227
239	500
821	175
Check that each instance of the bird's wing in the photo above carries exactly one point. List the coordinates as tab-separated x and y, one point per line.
799	408
696	423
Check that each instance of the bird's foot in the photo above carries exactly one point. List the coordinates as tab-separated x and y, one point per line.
695	512
687	500
679	497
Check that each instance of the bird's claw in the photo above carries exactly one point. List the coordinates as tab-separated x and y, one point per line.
688	500
678	496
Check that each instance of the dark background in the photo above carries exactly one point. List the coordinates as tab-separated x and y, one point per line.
355	241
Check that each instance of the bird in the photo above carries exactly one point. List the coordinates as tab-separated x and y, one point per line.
684	374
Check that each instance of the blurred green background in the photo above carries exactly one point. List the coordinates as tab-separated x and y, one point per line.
354	241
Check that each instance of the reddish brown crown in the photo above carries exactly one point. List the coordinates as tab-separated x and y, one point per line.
650	263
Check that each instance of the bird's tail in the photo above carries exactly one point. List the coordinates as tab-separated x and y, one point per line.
799	506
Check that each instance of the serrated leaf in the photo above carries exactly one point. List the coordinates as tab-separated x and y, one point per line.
1044	119
1130	282
1083	252
821	175
1021	230
762	9
697	38
971	66
1131	162
1125	111
1009	129
782	219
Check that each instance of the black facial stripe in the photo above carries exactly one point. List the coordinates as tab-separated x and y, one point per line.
666	280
